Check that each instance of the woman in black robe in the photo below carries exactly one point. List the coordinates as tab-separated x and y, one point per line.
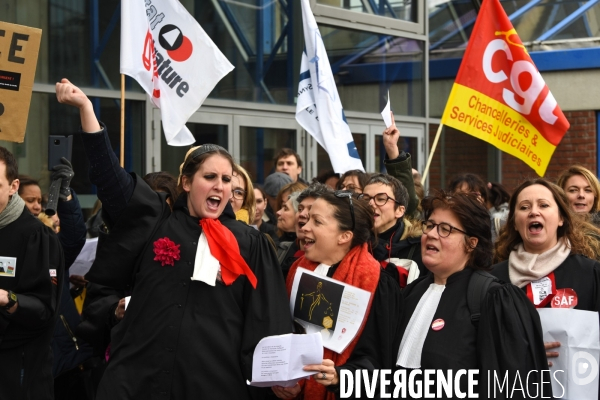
439	327
180	337
545	242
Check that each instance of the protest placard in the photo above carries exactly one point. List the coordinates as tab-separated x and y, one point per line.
19	48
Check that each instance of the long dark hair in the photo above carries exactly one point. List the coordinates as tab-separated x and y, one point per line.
473	182
195	158
474	219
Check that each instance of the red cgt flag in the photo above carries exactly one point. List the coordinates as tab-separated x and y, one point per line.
499	95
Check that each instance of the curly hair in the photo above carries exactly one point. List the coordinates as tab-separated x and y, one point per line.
474	218
589	176
583	236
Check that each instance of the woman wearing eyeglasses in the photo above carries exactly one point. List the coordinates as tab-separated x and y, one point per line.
242	199
439	328
336	238
398	240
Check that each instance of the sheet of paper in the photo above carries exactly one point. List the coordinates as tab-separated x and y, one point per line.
334	309
127	300
579	352
386	114
278	360
85	259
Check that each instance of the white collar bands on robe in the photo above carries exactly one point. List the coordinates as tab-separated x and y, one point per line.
206	266
411	347
322	269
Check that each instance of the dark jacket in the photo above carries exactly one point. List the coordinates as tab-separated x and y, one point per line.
68	350
507	338
401	169
174	325
25	354
576	272
395	243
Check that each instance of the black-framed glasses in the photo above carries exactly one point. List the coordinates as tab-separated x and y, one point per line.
238	194
348	195
379	199
444	229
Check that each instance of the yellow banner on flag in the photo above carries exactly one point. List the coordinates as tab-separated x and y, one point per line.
487	119
499	95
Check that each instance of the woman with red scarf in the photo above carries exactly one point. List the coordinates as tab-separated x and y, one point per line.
336	245
205	287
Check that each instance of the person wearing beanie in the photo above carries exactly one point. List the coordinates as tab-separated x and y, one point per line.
272	186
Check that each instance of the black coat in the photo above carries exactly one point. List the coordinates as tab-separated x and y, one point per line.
390	245
181	337
25	354
508	338
576	272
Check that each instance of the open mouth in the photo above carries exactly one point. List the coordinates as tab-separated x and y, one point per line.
431	249
308	243
535	227
213	203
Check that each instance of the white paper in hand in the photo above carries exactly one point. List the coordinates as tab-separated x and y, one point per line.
278	360
386	114
576	367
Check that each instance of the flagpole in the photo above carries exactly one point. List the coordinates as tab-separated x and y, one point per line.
435	142
122	158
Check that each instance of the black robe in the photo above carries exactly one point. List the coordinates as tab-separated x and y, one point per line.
576	272
509	336
25	353
181	338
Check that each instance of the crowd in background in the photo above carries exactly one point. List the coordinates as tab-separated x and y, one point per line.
418	253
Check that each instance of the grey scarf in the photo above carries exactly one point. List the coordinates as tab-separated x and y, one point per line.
13	210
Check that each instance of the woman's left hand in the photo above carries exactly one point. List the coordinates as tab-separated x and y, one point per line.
325	373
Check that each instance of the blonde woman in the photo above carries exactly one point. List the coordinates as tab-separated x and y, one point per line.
242	199
583	192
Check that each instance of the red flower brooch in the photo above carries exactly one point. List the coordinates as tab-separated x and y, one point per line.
166	251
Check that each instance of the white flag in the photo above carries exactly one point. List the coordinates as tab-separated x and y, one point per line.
319	109
164	48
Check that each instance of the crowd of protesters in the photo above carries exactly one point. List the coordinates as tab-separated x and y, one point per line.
191	272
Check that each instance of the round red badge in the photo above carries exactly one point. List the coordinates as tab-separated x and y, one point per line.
438	324
564	298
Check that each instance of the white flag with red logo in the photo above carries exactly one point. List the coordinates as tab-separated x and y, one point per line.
164	48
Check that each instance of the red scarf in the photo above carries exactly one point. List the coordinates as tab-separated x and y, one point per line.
358	268
224	247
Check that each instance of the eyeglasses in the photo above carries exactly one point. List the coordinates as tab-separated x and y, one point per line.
239	194
379	199
348	195
353	188
443	229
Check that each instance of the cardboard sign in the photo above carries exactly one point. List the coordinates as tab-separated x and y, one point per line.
19	48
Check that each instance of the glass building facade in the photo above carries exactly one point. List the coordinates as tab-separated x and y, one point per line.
410	48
